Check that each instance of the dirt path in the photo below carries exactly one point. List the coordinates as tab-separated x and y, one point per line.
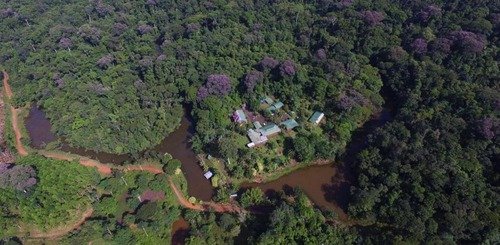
63	230
101	168
148	168
185	203
15	124
207	206
6	85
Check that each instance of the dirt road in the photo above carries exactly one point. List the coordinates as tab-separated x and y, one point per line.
207	206
148	168
103	169
15	124
63	230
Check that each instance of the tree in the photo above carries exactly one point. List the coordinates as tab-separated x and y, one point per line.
17	177
287	68
419	46
251	197
372	18
303	149
217	84
252	78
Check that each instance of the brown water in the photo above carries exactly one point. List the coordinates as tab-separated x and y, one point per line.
327	186
39	128
322	184
180	230
176	143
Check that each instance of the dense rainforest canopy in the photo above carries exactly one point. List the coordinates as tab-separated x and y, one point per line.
113	75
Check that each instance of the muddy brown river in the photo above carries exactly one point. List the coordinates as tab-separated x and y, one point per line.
327	185
176	144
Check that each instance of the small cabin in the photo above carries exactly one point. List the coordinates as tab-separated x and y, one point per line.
289	124
275	107
257	125
267	100
317	117
208	174
239	116
269	129
256	138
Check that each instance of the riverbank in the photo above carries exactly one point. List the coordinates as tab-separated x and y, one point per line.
104	169
177	144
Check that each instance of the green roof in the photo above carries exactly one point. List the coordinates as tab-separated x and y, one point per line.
268	100
316	116
276	106
290	124
269	129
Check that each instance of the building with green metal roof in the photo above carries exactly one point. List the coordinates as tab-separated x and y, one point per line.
275	107
289	124
269	129
317	117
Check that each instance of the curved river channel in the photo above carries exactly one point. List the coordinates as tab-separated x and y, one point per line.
176	144
326	185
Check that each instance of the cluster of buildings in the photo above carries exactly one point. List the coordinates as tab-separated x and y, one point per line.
262	131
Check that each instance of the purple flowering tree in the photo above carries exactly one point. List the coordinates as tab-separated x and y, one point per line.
320	54
151	2
202	93
105	61
468	41
161	57
90	34
19	177
428	11
65	43
102	9
495	18
419	46
58	80
192	27
344	3
252	78
119	28
146	62
8	12
350	99
268	63
287	68
98	88
442	44
372	18
144	29
486	128
217	84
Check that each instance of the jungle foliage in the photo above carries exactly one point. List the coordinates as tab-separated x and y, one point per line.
61	193
112	75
